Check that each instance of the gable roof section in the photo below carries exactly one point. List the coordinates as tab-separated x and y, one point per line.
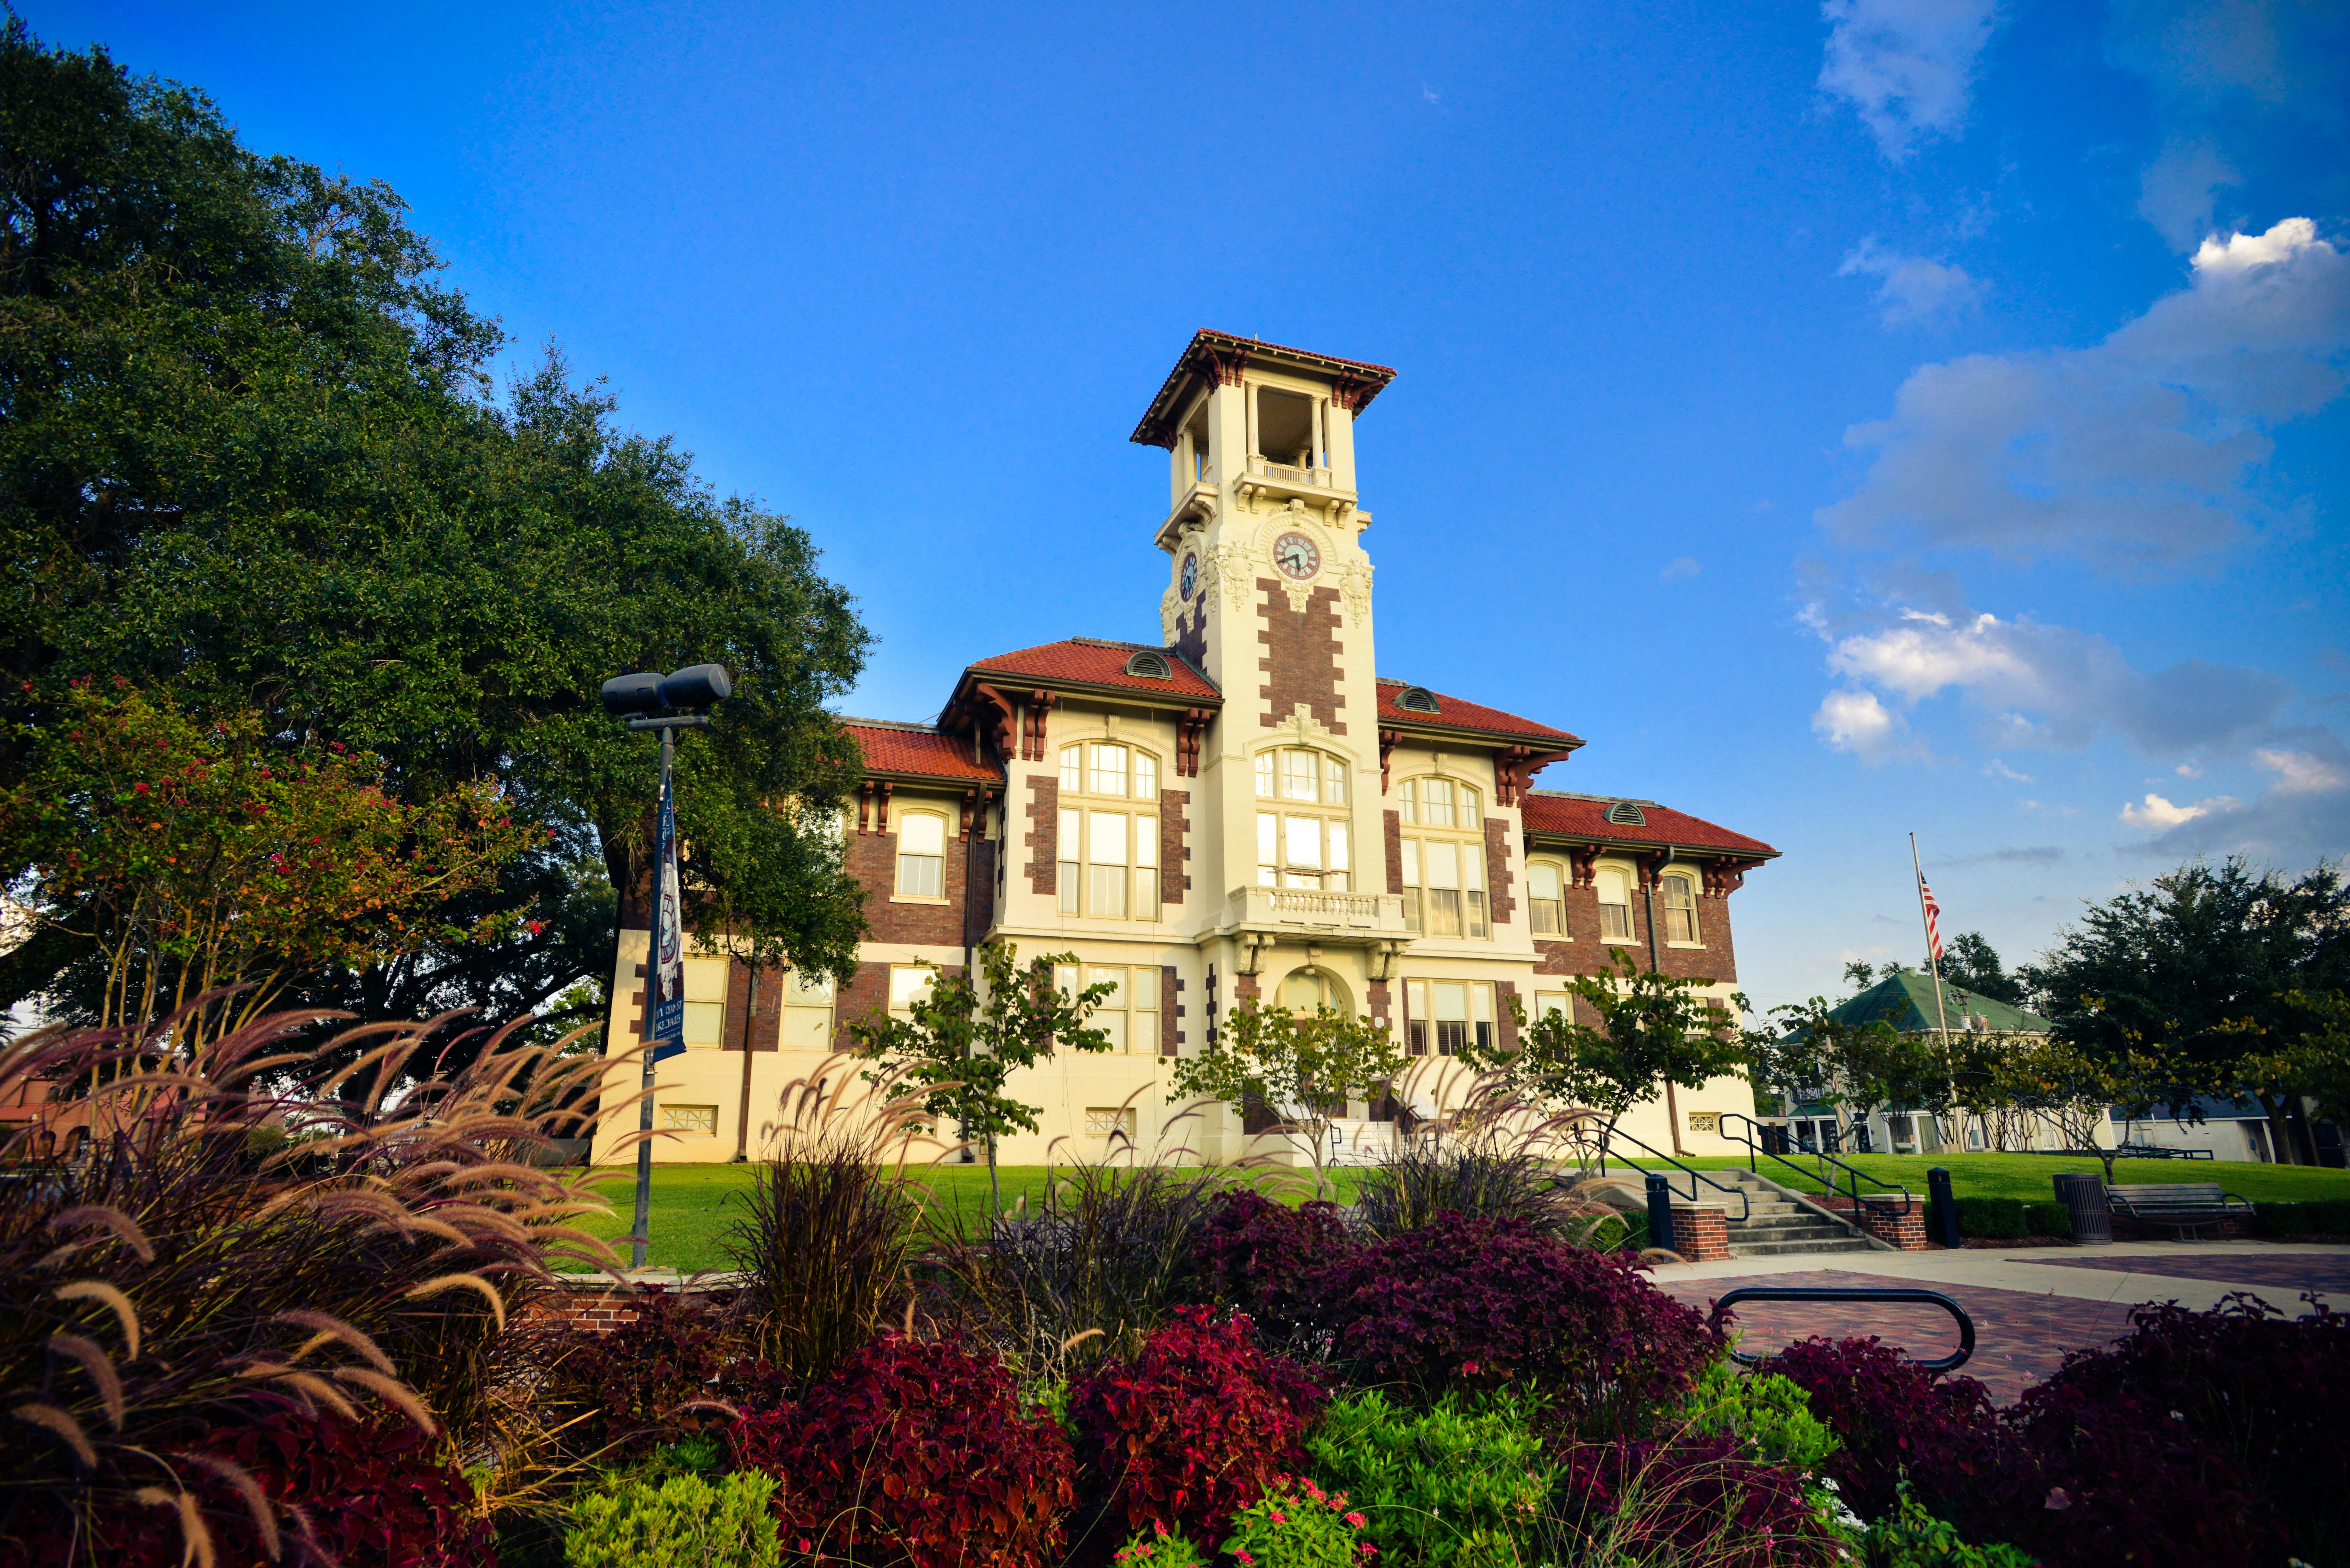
916	751
1099	665
1461	716
1555	815
1906	1000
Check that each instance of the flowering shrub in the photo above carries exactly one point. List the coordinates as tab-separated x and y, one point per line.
1893	1418
1477	1303
635	1383
1265	1257
1691	1500
914	1451
1452	1485
1196	1427
1159	1547
1769	1415
1296	1524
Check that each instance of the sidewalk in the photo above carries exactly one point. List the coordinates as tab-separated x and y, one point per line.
2029	1306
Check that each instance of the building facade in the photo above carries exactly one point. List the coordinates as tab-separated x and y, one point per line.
1244	814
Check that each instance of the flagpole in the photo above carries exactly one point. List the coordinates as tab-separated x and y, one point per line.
1933	951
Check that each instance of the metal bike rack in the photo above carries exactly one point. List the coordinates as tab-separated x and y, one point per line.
1950	1363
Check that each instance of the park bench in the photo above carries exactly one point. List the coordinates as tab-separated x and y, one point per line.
2183	1206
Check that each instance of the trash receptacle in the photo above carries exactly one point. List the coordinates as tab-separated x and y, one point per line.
2084	1197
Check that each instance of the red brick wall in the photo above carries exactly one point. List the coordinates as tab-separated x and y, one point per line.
599	1305
1395	851
765	1028
978	891
1174	828
868	992
1044	833
1499	880
1505	1028
1586	954
1191	633
872	859
1376	1002
1301	661
1701	1235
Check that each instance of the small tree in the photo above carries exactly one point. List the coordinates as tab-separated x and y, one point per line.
1851	1068
1299	1068
2054	1078
965	1037
1653	1029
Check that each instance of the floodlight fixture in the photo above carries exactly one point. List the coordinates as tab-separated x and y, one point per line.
696	686
628	694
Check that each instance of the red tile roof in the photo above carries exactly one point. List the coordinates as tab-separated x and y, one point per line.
1455	714
1156	429
1586	817
1089	661
918	750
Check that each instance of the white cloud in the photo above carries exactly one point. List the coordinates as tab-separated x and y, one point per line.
1680	567
1913	289
2187	770
2303	816
2142	448
2179	192
1905	66
1857	722
2000	769
2056	686
2300	772
2158	812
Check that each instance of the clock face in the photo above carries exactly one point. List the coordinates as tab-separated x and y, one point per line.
1297	556
1191	578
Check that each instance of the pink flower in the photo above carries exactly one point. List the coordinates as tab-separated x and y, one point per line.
1357	1521
1244	1559
1159	1525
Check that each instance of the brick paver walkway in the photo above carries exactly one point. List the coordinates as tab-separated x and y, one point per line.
2293	1273
2020	1338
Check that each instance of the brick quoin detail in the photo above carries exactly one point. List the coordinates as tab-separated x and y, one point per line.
1170	1009
1504	1026
872	859
1044	833
1395	851
1497	877
1701	1235
1174	827
1376	1004
1301	663
768	1025
1191	633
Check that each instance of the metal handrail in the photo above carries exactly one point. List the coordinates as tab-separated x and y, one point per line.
1745	1205
1950	1363
1754	1149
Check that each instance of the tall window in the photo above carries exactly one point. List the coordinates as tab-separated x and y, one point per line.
1680	910
921	855
1301	842
1453	1013
1129	1014
1443	858
1615	905
1109	856
909	984
1546	902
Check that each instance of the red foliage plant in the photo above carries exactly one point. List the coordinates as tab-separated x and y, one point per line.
1196	1427
642	1382
914	1451
1692	1500
1896	1419
1478	1302
1265	1257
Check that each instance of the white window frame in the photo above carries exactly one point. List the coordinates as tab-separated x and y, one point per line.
1427	845
1688	887
1545	864
899	894
1426	1032
1109	770
1599	884
1305	834
1129	1017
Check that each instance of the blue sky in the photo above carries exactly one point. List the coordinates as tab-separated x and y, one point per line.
1896	414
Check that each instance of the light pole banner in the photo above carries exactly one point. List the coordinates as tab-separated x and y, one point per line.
667	976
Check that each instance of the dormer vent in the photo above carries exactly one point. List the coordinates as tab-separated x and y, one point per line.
1151	666
1417	699
1624	813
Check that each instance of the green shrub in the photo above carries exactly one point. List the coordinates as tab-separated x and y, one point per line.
1160	1547
1909	1537
1769	1415
1455	1484
2322	1217
1298	1525
2046	1218
2010	1218
684	1522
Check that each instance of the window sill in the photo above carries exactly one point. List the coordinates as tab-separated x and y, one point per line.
1621	941
1551	937
1690	947
918	898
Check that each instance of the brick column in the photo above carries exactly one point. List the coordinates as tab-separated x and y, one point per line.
1703	1235
1904	1228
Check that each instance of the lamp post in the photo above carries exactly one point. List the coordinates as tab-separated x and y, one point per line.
667	703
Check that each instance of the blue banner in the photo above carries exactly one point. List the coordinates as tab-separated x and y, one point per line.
666	972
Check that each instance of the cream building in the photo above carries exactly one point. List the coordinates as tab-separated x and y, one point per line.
1246	813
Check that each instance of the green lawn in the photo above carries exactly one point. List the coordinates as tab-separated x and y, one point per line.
695	1206
2026	1175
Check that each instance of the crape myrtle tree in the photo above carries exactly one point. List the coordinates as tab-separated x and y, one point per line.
249	462
1802	1053
2210	968
1302	1068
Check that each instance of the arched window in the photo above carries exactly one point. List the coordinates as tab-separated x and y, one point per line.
1109	856
1443	858
1615	904
921	855
1546	898
1301	821
1307	990
1680	910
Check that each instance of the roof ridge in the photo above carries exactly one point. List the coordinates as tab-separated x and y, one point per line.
1113	642
926	729
1610	799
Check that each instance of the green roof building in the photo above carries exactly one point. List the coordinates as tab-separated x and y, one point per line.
1906	1000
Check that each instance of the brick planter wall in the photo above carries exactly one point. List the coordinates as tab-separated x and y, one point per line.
1701	1235
598	1304
1905	1229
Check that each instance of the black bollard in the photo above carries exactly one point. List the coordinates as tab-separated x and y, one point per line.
1661	1212
1942	1209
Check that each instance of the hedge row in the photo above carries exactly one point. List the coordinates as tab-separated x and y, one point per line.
2010	1218
2322	1217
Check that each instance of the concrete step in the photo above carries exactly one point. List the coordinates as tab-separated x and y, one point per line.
1788	1233
1782	1248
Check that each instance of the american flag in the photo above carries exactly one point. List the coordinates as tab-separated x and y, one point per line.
1933	917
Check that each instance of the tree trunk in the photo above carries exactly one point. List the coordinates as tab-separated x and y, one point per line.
2279	1130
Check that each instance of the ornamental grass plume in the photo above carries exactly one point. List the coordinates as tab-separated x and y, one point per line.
167	1289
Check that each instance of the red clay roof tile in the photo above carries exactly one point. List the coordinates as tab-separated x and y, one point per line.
1582	817
920	752
1086	661
1458	713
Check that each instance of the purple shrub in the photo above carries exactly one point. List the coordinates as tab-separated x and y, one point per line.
635	1383
1266	1258
1895	1419
1476	1304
